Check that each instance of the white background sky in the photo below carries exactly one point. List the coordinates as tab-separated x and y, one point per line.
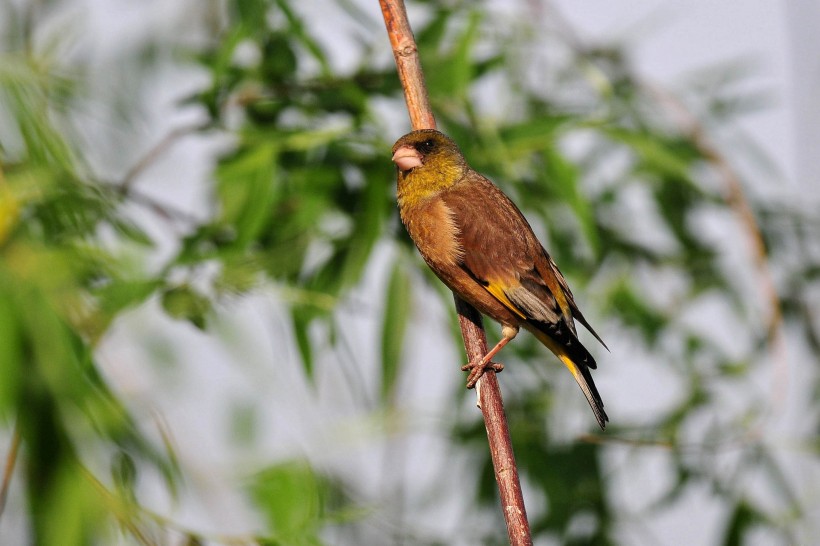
670	37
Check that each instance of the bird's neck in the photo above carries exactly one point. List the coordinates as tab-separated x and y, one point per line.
415	186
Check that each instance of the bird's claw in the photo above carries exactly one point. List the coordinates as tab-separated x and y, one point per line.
477	369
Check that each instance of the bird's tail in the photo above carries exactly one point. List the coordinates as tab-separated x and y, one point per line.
581	374
578	361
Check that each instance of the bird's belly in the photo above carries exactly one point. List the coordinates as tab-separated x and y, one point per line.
436	235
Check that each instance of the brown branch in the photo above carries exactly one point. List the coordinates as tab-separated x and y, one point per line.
475	342
498	434
408	64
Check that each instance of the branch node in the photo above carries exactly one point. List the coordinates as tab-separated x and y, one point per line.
405	50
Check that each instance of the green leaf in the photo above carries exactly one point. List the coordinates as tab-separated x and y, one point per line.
247	190
239	274
25	86
183	302
366	230
12	356
302	317
394	327
131	230
121	294
278	59
741	520
627	302
461	71
124	473
666	156
290	496
563	177
252	13
298	30
450	75
351	254
532	135
430	37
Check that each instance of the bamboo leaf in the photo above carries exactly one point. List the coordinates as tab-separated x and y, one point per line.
394	327
247	189
12	355
301	317
563	178
667	156
741	520
626	302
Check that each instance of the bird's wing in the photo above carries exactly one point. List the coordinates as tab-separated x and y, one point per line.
562	282
502	254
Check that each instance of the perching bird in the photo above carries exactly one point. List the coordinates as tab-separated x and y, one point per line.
481	246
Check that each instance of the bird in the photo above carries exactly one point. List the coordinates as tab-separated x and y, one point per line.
480	245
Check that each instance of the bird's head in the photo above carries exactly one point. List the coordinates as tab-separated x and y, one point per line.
428	162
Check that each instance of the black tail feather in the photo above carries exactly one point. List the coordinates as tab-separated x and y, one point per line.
560	340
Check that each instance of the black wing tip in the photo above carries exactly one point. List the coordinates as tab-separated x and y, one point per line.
577	315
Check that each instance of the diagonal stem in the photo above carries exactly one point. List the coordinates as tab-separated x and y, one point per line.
408	65
498	434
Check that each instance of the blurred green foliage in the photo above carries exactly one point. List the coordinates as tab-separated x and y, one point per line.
302	199
290	496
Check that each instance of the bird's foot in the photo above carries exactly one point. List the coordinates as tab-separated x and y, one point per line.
477	368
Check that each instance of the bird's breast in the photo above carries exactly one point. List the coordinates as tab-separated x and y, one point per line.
434	229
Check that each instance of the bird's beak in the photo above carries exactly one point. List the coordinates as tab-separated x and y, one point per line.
407	158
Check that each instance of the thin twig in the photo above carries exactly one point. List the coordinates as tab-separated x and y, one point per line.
133	517
126	189
166	211
8	469
152	154
475	342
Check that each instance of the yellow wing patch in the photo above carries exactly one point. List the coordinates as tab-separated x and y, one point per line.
495	290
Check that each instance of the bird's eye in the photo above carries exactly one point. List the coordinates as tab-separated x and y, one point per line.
427	145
